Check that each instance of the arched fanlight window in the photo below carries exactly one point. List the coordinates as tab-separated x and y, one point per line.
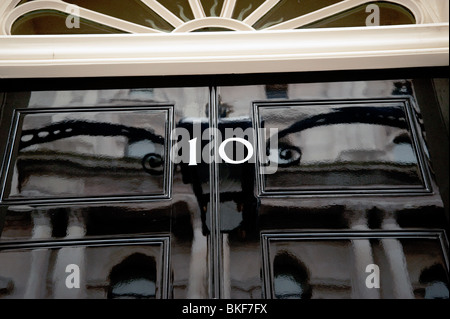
165	16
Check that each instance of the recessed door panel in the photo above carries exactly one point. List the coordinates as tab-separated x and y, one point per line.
365	265
80	153
114	269
339	146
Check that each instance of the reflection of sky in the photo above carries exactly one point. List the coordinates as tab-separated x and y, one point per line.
192	99
99	146
287	286
352	142
140	148
141	286
403	153
437	290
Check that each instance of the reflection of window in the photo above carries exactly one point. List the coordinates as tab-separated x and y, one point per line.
276	91
6	286
291	278
436	281
135	277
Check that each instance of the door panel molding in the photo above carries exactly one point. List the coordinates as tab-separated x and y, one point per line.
410	113
162	263
68	127
268	238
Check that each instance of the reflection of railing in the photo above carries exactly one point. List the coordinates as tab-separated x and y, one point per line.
387	116
290	155
67	129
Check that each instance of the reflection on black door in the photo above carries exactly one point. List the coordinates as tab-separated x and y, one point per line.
345	205
143	193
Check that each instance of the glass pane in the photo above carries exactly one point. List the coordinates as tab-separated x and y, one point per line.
181	8
212	8
212	29
243	8
287	9
339	146
109	272
54	22
357	268
90	153
390	14
130	10
23	1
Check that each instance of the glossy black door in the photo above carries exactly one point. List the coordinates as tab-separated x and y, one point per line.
301	190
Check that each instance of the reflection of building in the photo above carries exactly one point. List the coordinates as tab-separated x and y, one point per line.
87	178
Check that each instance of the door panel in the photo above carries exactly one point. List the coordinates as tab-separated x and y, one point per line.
88	180
131	268
330	266
340	146
79	153
351	157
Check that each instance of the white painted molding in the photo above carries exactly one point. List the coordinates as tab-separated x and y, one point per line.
425	45
438	9
227	8
257	14
197	9
163	12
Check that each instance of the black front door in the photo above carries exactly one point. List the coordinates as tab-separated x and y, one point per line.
297	190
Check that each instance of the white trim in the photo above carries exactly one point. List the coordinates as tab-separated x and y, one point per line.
227	9
435	11
260	11
197	9
430	9
5	8
231	52
163	12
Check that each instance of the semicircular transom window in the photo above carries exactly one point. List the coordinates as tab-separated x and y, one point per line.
165	16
